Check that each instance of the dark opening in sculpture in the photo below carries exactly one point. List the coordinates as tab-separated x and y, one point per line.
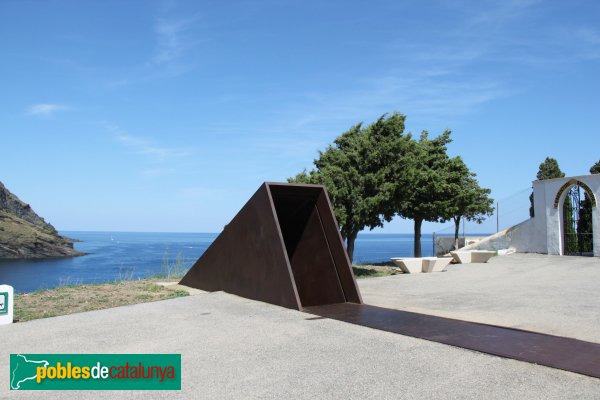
284	248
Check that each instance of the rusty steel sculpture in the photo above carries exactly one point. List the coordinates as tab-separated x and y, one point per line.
284	248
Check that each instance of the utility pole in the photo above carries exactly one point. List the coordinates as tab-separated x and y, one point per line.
497	217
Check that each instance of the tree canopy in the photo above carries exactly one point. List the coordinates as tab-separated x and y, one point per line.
584	225
548	169
467	200
424	197
357	170
375	172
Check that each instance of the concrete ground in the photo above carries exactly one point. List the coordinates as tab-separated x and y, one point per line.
550	294
237	348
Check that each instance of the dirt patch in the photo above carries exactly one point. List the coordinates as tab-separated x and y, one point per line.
74	299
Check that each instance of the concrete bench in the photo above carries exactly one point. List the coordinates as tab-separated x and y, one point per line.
409	265
473	256
425	264
435	264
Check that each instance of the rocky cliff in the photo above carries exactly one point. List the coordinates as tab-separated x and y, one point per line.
24	234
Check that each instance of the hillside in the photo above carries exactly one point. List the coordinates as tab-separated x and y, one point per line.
24	234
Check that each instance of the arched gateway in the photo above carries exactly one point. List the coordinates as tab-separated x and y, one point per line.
567	221
575	202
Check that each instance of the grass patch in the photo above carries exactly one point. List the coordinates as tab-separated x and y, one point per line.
173	269
72	299
374	271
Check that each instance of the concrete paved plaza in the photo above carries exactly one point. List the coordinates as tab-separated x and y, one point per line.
237	348
549	294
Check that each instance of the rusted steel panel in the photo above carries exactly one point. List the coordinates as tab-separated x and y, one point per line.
248	258
552	351
283	248
338	252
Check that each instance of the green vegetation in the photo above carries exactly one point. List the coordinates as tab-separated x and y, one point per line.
374	271
375	172
175	269
570	235
72	299
548	169
358	174
24	234
468	200
584	227
20	238
577	227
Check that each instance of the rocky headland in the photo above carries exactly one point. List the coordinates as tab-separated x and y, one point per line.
24	234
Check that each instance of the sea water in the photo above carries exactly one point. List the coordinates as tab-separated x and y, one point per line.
114	256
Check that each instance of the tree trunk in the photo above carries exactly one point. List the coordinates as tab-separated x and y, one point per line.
418	223
456	229
350	245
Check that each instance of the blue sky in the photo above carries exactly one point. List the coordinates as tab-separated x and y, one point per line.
167	115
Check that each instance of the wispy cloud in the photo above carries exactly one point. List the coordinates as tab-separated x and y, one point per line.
141	145
172	39
46	109
433	80
147	147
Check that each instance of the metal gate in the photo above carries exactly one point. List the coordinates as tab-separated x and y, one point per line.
577	223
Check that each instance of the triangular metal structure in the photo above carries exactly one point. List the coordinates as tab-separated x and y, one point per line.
284	248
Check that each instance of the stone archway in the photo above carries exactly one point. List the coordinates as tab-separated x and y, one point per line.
575	203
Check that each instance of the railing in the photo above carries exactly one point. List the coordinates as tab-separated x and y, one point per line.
579	244
508	211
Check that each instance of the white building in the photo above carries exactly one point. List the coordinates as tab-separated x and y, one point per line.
545	233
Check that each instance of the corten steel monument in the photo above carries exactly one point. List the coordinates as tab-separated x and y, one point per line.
284	248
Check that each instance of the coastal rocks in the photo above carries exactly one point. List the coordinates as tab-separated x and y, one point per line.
24	234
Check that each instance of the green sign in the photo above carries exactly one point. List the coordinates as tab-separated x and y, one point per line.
3	303
95	371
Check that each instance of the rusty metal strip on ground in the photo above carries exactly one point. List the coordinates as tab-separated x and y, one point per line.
552	351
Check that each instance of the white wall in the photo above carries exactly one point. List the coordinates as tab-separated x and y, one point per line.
551	218
543	233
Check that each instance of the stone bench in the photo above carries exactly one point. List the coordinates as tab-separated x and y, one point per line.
472	256
409	265
435	264
426	264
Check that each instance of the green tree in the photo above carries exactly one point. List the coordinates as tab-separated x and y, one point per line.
467	200
424	196
570	236
584	225
357	170
548	169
